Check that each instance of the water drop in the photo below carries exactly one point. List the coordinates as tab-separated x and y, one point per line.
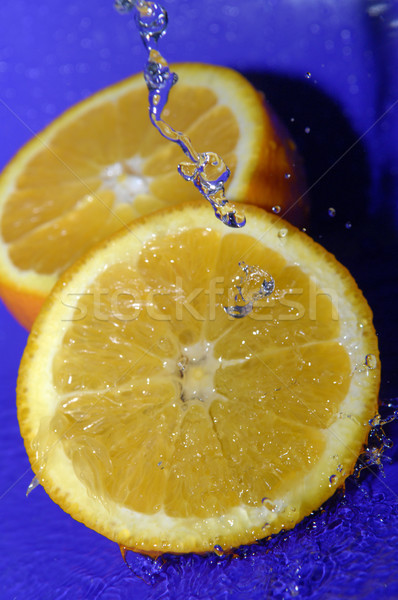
288	175
332	480
371	361
331	212
348	225
276	209
282	233
124	6
218	550
33	484
308	75
307	130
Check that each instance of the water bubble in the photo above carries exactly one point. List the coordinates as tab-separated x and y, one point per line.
371	361
348	225
307	130
332	480
218	550
276	209
288	175
282	233
307	75
331	212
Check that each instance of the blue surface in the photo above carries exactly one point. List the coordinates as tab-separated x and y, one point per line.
53	54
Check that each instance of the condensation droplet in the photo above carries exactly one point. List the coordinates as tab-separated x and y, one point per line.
276	209
348	225
282	233
332	480
331	212
288	175
307	130
307	75
371	361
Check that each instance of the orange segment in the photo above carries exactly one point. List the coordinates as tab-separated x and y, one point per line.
160	421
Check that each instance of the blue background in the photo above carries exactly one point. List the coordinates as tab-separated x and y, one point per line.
53	54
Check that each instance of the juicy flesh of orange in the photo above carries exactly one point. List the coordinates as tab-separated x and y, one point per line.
167	403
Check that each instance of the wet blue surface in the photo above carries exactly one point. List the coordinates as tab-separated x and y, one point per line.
54	54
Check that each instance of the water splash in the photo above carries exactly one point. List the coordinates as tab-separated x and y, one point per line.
206	170
378	442
254	285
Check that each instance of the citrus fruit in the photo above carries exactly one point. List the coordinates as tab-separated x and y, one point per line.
102	164
157	419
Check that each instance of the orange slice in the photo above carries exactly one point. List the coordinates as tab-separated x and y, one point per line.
163	423
102	164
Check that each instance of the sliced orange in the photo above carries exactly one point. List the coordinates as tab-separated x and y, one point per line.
163	423
102	164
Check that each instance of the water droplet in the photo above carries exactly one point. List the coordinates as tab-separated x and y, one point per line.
371	361
265	526
33	484
124	6
307	130
288	175
254	285
332	480
307	75
218	550
348	225
331	212
282	233
276	209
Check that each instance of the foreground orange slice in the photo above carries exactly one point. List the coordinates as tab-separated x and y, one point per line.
160	421
102	164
